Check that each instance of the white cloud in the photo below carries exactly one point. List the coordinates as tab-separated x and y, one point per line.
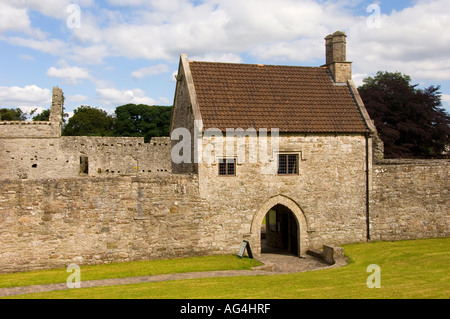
13	19
149	71
70	74
174	76
53	46
51	8
218	57
111	96
30	95
88	55
280	30
358	78
164	29
410	41
445	98
69	114
26	57
76	98
34	109
125	3
307	49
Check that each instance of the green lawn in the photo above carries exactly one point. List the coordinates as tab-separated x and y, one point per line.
409	269
130	269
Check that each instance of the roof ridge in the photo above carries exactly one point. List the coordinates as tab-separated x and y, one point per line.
259	64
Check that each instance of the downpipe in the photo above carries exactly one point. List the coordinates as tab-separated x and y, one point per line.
367	189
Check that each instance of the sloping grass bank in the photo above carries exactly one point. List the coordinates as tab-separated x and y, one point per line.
130	269
409	269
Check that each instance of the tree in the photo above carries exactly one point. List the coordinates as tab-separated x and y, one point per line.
43	116
12	115
410	121
142	121
89	121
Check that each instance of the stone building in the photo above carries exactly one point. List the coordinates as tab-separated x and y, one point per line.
319	171
291	146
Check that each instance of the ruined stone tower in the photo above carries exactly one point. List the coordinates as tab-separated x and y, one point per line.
56	110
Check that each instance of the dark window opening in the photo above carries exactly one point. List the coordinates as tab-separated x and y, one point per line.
34	165
288	164
227	167
84	165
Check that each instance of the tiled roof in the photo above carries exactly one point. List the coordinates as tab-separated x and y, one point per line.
292	99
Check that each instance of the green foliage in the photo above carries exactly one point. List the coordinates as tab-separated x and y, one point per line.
43	116
89	121
12	115
410	121
130	120
142	121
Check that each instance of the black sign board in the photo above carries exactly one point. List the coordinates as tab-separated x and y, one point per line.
245	244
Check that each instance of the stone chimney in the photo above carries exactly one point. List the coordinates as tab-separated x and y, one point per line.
336	57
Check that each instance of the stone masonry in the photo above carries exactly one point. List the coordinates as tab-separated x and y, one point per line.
94	200
410	199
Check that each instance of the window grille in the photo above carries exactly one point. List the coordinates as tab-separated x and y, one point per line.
227	167
288	164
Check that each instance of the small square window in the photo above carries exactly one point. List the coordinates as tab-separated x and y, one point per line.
287	164
227	167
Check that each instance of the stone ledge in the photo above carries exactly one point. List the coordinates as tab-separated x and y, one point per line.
404	161
25	123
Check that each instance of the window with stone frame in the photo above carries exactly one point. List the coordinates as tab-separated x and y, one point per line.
287	164
227	167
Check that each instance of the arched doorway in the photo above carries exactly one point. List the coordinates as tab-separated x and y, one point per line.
279	231
291	216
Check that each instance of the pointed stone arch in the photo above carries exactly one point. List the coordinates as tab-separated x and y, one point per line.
296	211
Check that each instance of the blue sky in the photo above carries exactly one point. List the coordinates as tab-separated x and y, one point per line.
112	52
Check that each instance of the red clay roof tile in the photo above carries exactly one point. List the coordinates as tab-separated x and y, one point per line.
290	98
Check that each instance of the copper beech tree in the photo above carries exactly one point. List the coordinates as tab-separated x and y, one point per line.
410	121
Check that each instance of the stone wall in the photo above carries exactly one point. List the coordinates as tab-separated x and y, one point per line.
410	199
48	223
185	111
33	158
54	222
37	129
329	191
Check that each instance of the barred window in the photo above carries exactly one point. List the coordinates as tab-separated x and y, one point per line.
288	164
227	167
